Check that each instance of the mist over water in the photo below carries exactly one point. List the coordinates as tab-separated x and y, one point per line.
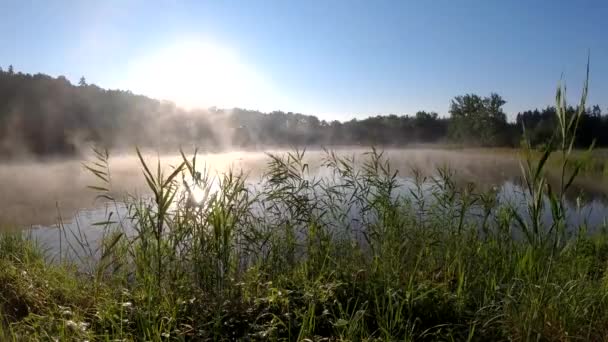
46	195
37	193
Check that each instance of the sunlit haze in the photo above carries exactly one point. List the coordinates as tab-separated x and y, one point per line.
299	170
336	60
201	74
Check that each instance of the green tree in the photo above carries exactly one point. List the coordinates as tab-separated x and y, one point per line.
478	121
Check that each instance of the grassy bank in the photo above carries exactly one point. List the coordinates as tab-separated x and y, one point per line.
291	262
355	256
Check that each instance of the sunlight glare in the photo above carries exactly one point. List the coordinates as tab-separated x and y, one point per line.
194	74
198	194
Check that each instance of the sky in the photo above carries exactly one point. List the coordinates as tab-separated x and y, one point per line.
334	59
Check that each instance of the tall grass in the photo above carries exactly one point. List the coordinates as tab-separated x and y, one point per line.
357	254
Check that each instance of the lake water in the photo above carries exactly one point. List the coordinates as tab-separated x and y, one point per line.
41	197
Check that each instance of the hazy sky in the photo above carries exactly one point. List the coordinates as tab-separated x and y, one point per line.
335	59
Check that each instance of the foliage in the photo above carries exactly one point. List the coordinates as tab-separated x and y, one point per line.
358	255
476	120
289	262
540	125
44	116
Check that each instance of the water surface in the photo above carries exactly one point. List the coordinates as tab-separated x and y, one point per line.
45	196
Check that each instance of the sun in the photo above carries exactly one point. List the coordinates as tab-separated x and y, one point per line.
197	74
198	194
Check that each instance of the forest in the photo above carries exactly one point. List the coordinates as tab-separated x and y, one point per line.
44	116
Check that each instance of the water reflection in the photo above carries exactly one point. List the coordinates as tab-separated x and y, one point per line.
85	231
34	193
80	236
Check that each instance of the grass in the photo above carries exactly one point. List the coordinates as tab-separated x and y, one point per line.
356	256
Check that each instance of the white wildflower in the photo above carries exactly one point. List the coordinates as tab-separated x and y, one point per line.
82	326
71	324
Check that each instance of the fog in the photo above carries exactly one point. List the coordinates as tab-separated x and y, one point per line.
36	192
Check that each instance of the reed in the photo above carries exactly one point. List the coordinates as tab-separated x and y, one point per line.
357	255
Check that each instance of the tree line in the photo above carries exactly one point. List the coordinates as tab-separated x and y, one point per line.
42	115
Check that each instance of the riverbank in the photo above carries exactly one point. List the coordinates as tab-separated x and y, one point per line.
313	259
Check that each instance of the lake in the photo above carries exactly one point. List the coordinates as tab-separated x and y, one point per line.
40	197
